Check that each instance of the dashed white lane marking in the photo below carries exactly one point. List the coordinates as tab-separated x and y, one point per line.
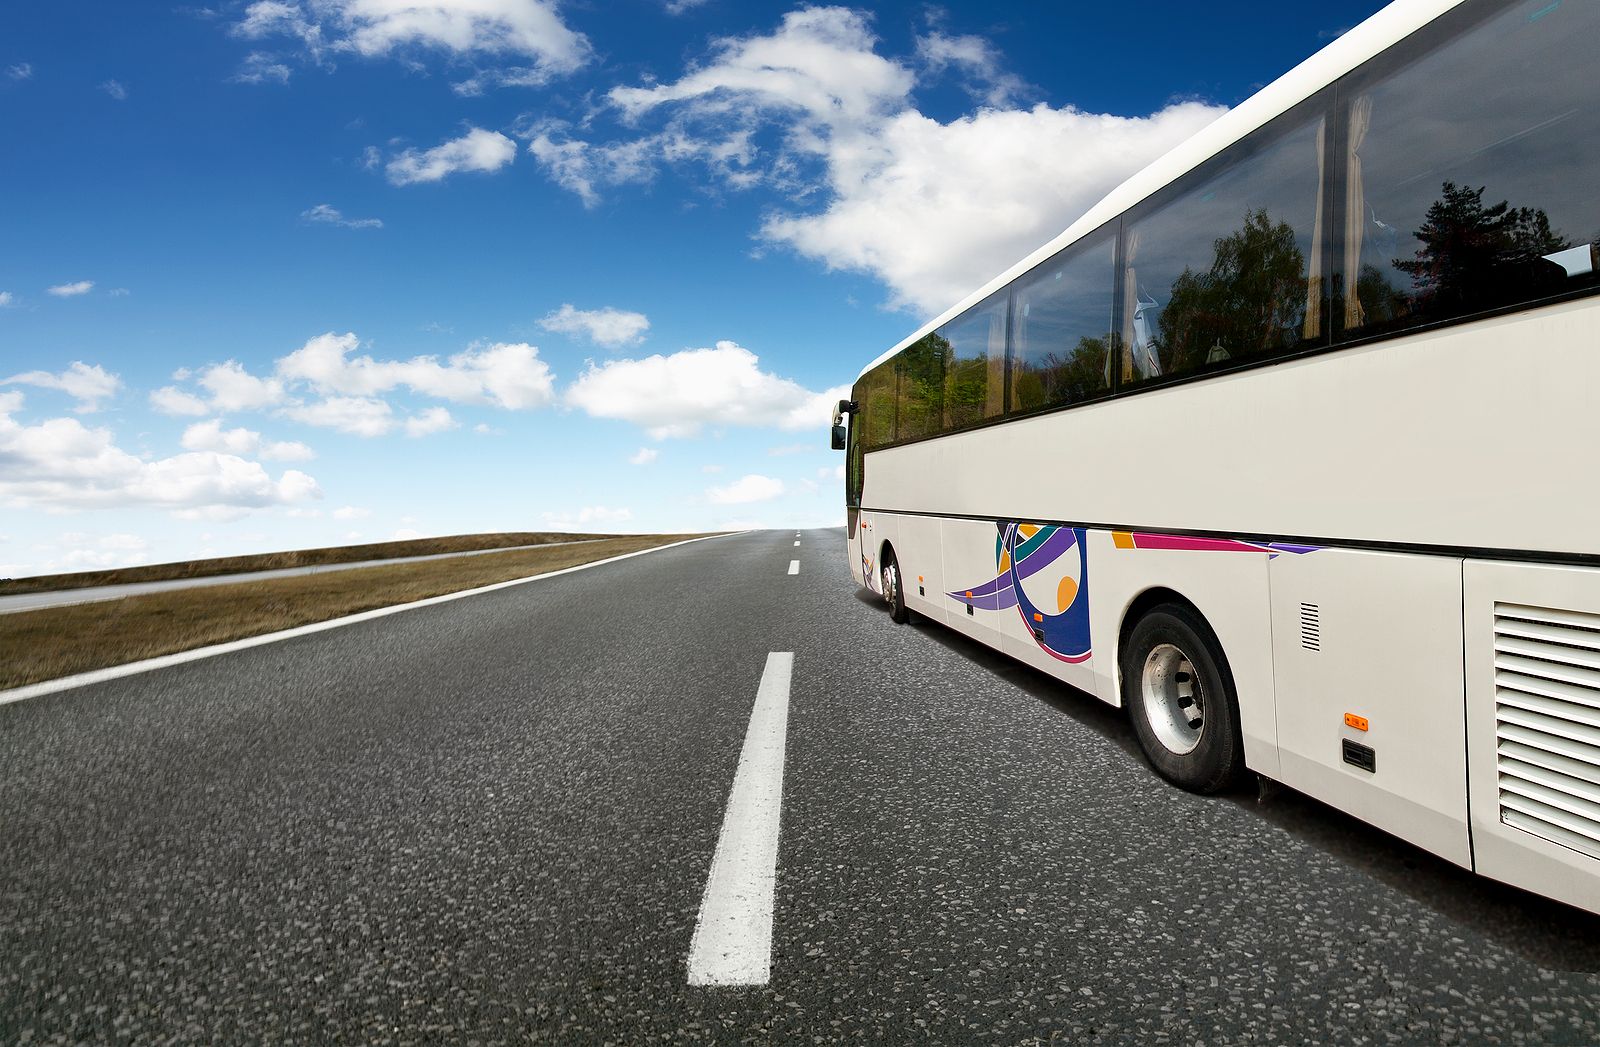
794	566
733	935
797	542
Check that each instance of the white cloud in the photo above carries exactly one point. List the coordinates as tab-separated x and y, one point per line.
350	512
405	534
587	516
232	388
711	468
582	168
59	464
326	214
357	415
246	443
678	7
286	451
7	299
609	327
210	436
20	71
977	58
935	210
677	395
644	456
505	375
820	61
72	290
433	420
749	488
115	90
119	292
262	68
931	209
171	400
787	449
77	551
528	31
477	150
88	385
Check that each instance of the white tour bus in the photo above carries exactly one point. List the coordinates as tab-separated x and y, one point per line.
1289	445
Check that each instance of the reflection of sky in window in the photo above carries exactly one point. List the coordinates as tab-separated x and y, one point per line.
1064	301
968	334
1281	179
1509	106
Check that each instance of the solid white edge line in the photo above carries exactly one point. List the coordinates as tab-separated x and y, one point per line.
67	683
733	934
794	566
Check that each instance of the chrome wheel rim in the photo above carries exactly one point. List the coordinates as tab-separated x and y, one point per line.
891	584
1174	701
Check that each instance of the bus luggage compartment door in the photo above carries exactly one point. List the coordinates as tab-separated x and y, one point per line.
1367	667
1533	725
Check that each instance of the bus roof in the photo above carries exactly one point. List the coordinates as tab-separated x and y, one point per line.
1387	27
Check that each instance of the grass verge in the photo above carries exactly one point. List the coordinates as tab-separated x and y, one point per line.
61	641
162	572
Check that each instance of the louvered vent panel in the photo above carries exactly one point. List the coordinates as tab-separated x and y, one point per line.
1311	626
1547	721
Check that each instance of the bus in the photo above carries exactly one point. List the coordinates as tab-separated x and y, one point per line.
1290	446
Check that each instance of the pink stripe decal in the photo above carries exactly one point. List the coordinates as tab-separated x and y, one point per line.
1143	540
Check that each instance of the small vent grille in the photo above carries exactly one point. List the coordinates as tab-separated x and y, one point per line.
1311	627
1547	719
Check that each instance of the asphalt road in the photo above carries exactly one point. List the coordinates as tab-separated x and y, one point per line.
491	821
97	593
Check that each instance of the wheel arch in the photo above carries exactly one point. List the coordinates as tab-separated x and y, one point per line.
1137	607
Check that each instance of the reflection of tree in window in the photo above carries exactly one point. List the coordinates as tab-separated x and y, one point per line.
1252	300
966	390
1059	377
921	370
1471	257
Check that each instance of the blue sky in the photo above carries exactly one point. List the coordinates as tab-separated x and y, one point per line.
282	273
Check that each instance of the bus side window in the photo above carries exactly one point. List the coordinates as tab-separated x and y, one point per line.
974	376
1061	326
1468	170
1226	267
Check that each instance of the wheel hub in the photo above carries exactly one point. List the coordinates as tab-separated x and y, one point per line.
1174	700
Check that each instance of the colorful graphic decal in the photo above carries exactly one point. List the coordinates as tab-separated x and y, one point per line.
1145	540
1043	572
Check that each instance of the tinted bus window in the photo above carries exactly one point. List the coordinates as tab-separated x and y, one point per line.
1470	167
920	371
875	395
1228	268
1061	326
974	376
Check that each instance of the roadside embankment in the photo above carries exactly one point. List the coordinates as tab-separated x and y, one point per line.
60	641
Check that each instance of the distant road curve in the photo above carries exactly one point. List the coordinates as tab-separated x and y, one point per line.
95	594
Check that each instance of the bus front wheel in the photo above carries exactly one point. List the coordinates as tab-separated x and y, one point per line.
1180	697
893	594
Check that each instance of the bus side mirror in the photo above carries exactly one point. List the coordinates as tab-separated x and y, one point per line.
838	437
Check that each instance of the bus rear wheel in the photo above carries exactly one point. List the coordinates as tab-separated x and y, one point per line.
1180	697
893	594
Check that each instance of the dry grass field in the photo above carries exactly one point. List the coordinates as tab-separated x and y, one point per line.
60	641
161	572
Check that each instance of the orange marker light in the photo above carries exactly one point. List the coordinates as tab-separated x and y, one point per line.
1358	722
1038	617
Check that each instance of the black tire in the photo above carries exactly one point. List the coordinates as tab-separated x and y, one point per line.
894	589
1180	651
